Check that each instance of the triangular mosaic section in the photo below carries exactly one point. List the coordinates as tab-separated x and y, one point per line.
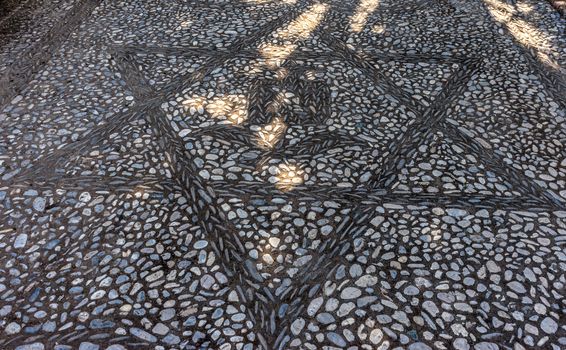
422	81
441	166
162	68
132	152
285	240
282	236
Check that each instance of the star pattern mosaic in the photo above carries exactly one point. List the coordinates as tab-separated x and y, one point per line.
292	174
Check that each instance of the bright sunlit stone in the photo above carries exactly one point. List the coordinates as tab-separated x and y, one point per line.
270	134
288	177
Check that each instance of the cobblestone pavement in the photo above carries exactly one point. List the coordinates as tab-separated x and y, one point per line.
296	174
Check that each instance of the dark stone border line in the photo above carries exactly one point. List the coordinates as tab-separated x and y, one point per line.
96	183
351	197
17	77
197	51
414	57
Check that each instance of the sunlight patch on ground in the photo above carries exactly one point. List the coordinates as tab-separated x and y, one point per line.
525	33
232	108
269	135
288	176
273	51
378	29
184	25
360	17
298	30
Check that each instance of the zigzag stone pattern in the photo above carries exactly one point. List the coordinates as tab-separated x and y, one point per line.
297	174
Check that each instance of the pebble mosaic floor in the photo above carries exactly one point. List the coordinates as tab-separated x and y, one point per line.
293	174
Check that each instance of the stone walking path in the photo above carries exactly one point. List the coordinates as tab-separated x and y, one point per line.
293	174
